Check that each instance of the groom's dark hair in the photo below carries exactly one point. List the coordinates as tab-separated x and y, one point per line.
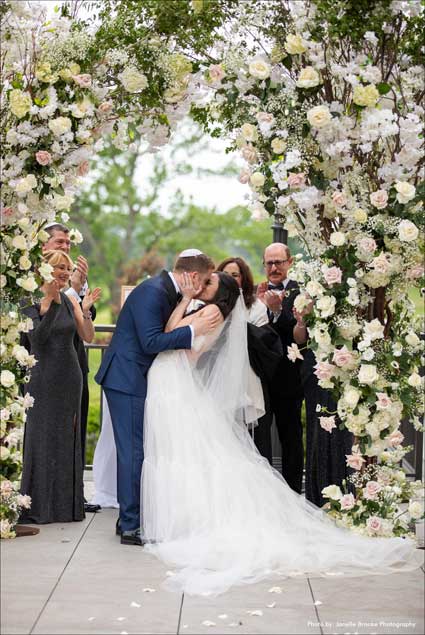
201	263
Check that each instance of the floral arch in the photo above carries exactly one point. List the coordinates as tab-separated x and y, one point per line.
323	99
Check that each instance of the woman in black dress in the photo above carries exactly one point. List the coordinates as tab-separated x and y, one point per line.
52	470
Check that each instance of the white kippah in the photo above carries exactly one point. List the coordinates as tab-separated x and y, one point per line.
52	224
187	253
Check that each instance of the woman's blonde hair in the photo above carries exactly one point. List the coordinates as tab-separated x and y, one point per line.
54	256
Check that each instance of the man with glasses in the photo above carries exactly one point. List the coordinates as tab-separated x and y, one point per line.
279	293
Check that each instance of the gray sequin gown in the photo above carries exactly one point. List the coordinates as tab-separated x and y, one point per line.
52	469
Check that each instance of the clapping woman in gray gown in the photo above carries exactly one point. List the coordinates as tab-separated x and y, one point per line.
52	470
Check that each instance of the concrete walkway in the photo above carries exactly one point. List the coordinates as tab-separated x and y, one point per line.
77	578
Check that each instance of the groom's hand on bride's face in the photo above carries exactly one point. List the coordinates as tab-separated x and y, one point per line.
208	320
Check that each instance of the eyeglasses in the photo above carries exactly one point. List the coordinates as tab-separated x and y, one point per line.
277	263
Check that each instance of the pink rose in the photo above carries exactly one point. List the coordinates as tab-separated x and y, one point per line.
395	439
105	107
327	423
379	199
339	198
347	501
6	213
216	73
6	487
264	117
333	275
355	461
244	176
84	80
371	490
368	245
380	264
43	157
324	370
374	523
249	153
296	179
383	401
342	357
83	168
415	272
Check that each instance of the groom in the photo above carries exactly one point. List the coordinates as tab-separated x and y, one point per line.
139	336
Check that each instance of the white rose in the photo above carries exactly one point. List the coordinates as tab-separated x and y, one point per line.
7	379
19	242
367	374
407	231
295	44
249	132
26	184
4	452
308	78
63	202
28	283
326	305
379	199
333	492
24	263
360	216
374	330
278	145
319	117
132	80
301	302
60	125
337	239
3	281
20	353
415	510
314	288
45	270
257	179
412	339
415	380
406	191
351	397
259	69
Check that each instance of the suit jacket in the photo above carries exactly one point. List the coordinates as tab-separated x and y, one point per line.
287	373
139	336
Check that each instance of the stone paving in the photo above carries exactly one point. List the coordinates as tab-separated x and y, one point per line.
77	578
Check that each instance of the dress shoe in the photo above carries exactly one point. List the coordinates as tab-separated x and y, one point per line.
89	508
118	527
132	537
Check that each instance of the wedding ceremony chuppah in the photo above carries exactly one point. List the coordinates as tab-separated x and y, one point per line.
320	103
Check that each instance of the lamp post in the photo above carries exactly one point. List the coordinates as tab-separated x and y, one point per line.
280	234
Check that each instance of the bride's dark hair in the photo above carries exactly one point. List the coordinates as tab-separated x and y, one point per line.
227	293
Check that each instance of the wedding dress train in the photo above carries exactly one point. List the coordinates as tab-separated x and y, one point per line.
215	508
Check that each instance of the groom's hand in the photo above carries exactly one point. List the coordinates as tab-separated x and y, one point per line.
208	320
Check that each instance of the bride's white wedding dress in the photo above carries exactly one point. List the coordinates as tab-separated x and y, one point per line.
218	512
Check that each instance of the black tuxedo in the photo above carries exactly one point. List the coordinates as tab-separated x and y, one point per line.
286	395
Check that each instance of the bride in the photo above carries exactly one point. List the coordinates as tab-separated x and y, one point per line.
213	508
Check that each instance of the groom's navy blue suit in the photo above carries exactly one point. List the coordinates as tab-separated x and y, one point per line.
139	336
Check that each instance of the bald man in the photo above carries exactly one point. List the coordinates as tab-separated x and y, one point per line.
279	293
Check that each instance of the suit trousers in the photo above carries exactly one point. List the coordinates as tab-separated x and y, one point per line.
287	411
127	422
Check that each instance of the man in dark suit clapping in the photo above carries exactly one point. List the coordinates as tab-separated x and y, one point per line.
279	293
